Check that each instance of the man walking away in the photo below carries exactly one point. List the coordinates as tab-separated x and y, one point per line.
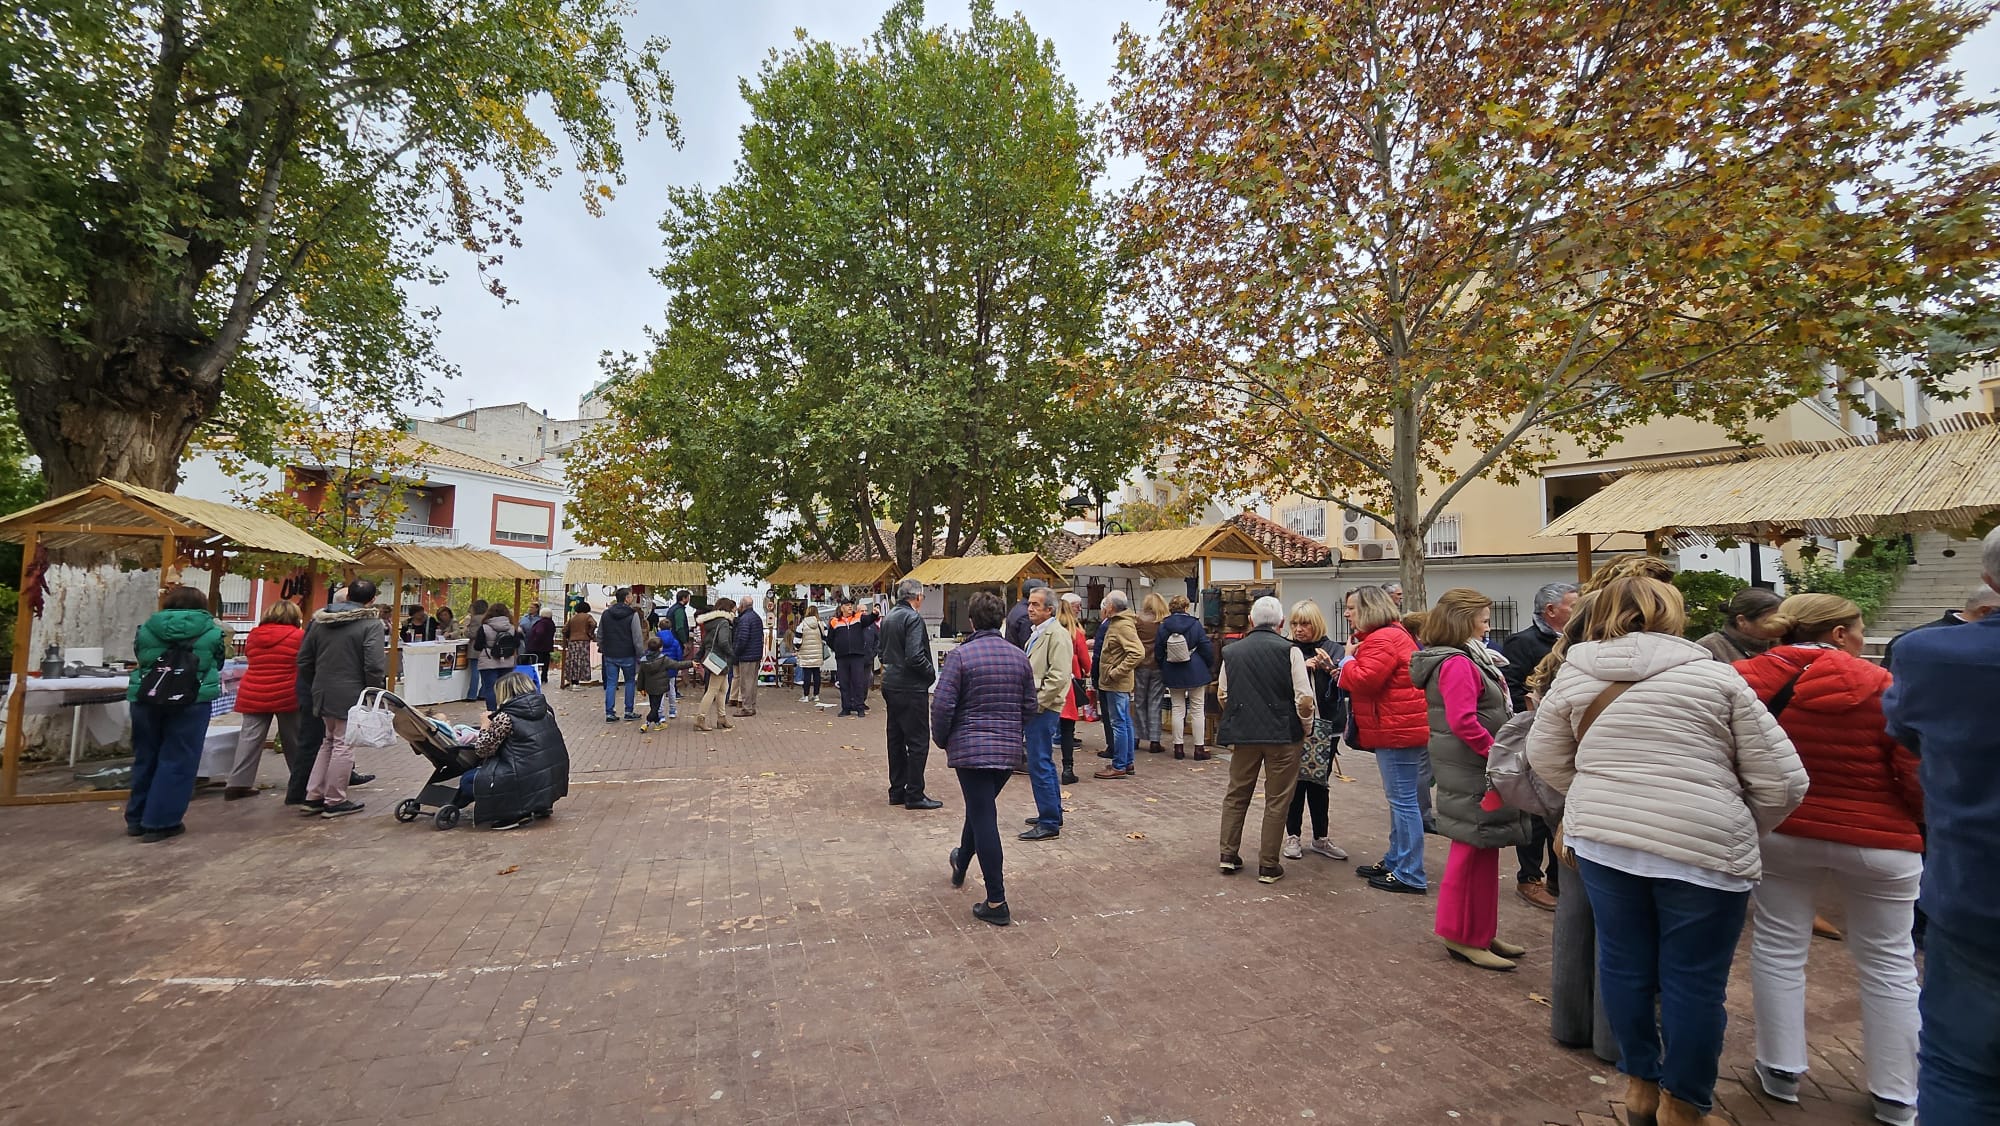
341	657
1266	698
749	656
1537	882
907	675
1051	660
1117	669
1018	626
621	640
1940	706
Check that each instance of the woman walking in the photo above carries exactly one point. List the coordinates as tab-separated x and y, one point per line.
1079	685
498	644
579	631
809	645
1187	665
979	716
1856	830
1391	721
1149	692
180	654
1745	631
1671	768
1322	656
717	627
268	694
1468	704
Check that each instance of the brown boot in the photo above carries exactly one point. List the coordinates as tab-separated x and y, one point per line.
701	723
1201	753
1179	751
1674	1112
1642	1101
723	725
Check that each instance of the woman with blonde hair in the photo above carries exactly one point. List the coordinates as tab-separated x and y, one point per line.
1671	768
1322	656
1468	704
1187	663
1149	692
1079	683
523	767
1857	829
1389	721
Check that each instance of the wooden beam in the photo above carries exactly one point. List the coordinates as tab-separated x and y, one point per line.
17	703
1582	558
1652	543
396	630
102	529
64	797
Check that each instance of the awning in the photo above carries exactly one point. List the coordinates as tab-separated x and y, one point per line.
822	572
981	570
655	574
441	563
114	517
1945	476
1170	545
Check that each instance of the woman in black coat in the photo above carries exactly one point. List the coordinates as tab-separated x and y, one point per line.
523	762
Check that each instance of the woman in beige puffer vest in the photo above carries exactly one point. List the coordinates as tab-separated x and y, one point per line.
1667	794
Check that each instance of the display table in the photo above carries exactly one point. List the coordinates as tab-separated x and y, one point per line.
218	751
425	679
97	703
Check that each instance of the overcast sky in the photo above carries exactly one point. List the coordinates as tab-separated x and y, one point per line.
583	286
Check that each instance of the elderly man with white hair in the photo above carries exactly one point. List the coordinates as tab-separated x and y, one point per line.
1982	601
1267	699
1117	675
1940	706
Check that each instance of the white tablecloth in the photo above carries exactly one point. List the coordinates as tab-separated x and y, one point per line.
107	723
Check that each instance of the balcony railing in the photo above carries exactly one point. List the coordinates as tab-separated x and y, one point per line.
424	533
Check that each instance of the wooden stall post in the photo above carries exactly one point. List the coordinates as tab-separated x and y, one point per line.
1582	558
396	631
17	701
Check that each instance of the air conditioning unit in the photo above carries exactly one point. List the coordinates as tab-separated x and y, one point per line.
1377	549
1369	539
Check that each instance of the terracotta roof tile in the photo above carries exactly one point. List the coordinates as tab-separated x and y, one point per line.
1289	548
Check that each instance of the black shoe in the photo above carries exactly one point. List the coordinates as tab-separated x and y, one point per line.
1270	873
1042	833
1069	778
1370	871
921	802
1033	821
998	916
609	718
134	829
1231	864
516	823
1391	883
342	809
894	800
155	836
630	716
957	870
312	807
1104	754
359	779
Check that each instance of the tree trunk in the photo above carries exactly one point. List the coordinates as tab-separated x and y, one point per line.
1406	498
127	414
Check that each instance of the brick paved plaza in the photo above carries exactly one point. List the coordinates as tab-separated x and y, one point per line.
736	928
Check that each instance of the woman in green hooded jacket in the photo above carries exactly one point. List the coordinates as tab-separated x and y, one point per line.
179	674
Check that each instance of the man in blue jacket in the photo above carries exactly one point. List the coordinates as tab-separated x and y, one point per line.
749	639
1941	707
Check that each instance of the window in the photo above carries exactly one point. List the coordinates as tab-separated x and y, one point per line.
517	521
1306	520
1443	537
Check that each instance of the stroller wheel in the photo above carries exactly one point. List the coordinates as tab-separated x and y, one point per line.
409	809
447	817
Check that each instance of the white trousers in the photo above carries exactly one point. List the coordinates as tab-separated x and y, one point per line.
1188	706
1879	888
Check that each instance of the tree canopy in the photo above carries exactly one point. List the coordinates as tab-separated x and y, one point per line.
1410	243
878	317
206	208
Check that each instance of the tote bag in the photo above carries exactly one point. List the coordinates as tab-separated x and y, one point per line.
1316	758
370	723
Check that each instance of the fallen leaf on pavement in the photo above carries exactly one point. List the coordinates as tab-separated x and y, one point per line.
1135	836
510	869
1155	801
768	774
1538	999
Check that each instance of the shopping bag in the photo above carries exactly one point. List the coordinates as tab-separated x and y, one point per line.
370	723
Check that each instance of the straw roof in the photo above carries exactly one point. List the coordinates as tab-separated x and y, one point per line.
448	563
979	570
74	522
1946	475
650	573
1170	545
802	572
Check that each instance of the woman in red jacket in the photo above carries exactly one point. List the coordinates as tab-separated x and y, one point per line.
269	691
1392	720
1858	830
1073	703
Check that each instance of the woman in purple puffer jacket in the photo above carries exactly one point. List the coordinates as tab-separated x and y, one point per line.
985	698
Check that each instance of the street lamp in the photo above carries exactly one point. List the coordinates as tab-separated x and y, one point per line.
1092	499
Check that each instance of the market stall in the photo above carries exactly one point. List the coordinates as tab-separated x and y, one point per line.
1003	574
641	575
1173	560
145	527
431	672
820	576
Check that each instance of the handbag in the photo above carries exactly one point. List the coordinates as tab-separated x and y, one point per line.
714	663
1316	757
1509	775
370	723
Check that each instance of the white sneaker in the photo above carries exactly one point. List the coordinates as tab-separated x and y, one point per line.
1780	1085
1892	1112
1291	849
805	699
1328	849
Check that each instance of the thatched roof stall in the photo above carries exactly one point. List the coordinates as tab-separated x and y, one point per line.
442	564
1945	475
1176	552
1004	571
825	572
654	574
139	525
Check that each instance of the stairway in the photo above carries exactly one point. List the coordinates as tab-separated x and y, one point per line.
1935	582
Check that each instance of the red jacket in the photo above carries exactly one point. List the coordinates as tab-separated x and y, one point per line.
1080	666
1864	788
271	686
1389	710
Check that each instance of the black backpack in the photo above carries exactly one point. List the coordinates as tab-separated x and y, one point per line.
174	681
504	644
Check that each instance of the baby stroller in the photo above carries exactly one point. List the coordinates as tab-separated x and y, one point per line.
449	760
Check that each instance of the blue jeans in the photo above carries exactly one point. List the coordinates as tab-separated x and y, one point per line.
465	782
166	752
1042	768
612	667
1674	940
1958	1054
487	679
1402	774
1118	713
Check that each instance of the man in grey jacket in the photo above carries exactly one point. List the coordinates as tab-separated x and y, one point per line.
907	675
343	654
